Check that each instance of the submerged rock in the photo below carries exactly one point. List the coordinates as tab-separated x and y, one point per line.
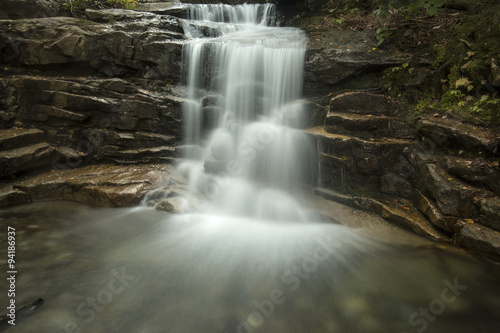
174	205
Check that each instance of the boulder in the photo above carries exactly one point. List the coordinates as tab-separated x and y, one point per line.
490	212
477	171
455	134
10	196
452	196
477	238
428	207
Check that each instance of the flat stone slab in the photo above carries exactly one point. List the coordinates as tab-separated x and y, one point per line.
363	103
408	219
174	8
369	156
460	135
357	122
340	140
103	185
26	158
18	137
478	171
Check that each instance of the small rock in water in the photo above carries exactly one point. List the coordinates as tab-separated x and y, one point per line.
175	205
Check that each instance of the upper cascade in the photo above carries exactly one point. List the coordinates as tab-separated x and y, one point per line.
259	14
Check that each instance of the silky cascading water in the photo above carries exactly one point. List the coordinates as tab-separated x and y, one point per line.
245	151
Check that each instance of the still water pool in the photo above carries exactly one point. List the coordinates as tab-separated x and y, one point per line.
140	270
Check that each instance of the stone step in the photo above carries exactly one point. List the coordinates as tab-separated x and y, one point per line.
429	208
479	172
402	216
18	137
356	122
337	161
26	158
134	140
173	8
452	196
345	145
60	113
139	155
10	196
460	136
76	102
100	185
363	103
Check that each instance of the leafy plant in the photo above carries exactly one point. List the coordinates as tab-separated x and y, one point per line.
382	34
409	6
337	21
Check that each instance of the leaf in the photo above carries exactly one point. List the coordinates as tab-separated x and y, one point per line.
380	42
432	11
439	3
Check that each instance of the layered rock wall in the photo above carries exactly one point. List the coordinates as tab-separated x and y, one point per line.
95	89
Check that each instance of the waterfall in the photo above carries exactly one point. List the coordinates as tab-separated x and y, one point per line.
244	84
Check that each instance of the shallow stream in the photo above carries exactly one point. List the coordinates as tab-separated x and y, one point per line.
141	270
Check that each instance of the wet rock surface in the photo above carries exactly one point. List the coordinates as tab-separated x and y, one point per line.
68	122
103	185
345	59
94	89
459	135
478	238
428	178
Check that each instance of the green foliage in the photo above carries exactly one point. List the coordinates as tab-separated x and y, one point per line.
440	56
408	6
382	34
395	79
79	6
337	21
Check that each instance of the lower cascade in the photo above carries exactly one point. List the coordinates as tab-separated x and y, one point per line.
244	111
